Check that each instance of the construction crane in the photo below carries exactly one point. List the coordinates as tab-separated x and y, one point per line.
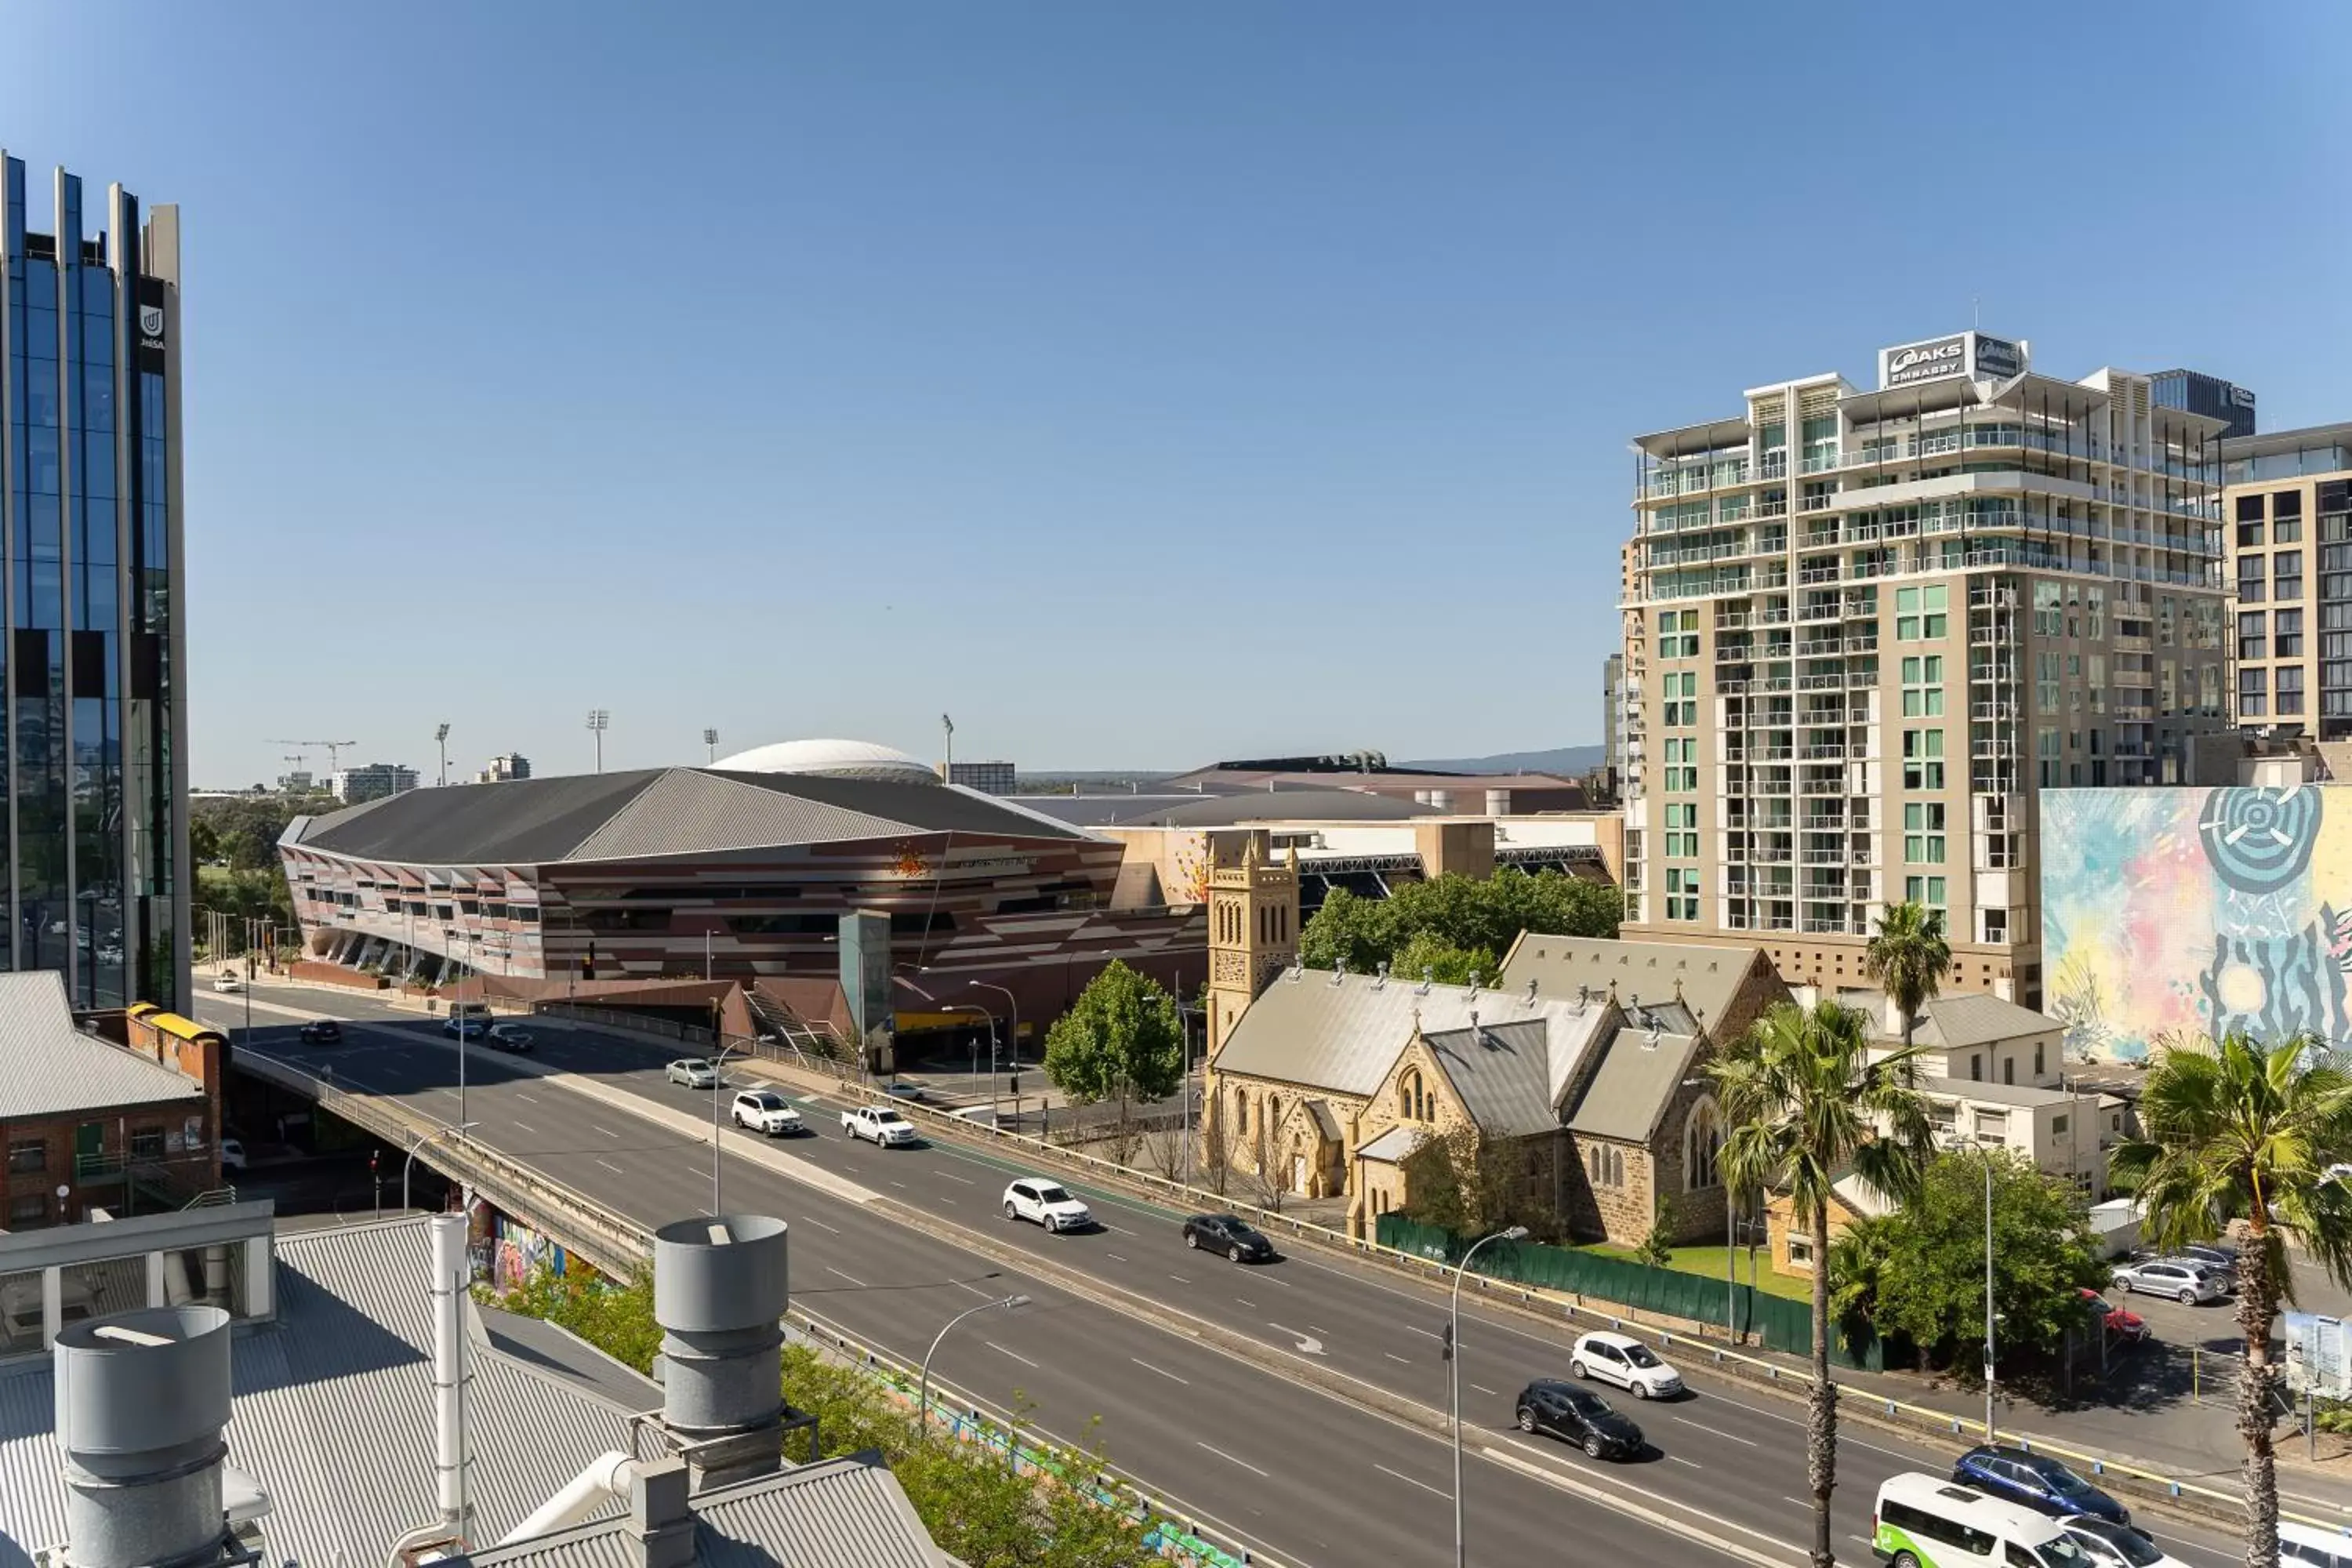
335	749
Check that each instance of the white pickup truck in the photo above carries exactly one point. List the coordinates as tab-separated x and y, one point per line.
880	1125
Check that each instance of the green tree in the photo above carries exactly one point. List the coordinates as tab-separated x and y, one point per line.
1928	1260
1346	930
1459	1181
1428	955
1657	1249
2235	1131
1909	957
1460	914
1806	1106
203	841
1120	1041
243	850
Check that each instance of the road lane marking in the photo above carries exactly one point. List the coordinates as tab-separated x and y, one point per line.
1489	1392
838	1274
968	1285
1161	1371
1410	1481
952	1176
527	1127
1693	1464
1396	1358
1115	1256
1798	1502
1245	1302
520	1095
1180	1280
612	1167
819	1224
1716	1431
1016	1355
605	1130
897	1183
1228	1459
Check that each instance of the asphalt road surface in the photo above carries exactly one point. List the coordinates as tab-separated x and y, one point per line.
1284	1469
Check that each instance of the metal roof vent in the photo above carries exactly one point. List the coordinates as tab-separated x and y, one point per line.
141	1400
719	1287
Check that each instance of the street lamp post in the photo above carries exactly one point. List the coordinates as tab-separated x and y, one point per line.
718	1067
923	1385
1012	1035
983	1012
1987	1153
410	1164
1454	1372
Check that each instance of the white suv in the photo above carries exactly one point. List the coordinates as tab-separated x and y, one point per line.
764	1110
1626	1361
1048	1204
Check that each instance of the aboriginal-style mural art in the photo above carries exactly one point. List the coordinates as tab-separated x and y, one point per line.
2168	911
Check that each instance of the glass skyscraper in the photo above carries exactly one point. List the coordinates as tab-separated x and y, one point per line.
93	755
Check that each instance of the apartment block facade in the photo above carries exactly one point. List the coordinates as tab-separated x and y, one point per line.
1863	627
2286	505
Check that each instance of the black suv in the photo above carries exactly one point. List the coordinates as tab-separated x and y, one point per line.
321	1032
1228	1234
1580	1415
2037	1480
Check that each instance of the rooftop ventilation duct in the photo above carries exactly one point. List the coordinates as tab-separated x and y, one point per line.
721	1285
141	1400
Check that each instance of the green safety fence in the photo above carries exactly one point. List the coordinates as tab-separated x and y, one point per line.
1779	1323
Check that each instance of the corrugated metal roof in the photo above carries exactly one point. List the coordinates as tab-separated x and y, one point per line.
708	813
1392	1145
1630	1089
333	1411
515	822
843	1513
48	1066
1710	976
1503	1073
1955	1021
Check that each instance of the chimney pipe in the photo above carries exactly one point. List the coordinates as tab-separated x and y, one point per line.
446	1233
142	1399
719	1286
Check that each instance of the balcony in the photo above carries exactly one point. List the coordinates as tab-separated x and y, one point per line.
1824	857
1828	753
1825	787
1861	855
1861	679
1821	682
1819	611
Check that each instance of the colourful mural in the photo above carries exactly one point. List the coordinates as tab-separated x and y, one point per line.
2192	911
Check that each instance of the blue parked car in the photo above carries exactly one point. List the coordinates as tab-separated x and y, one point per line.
2036	1480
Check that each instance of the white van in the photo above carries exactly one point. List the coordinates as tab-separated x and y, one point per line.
1926	1521
2309	1543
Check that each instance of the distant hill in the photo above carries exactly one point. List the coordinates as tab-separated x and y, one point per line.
1565	760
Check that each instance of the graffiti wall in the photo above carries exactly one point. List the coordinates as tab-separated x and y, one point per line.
2195	910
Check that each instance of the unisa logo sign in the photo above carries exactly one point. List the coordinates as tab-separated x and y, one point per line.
150	326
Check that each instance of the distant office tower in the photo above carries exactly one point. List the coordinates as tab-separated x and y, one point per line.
373	782
96	737
989	778
2209	395
2286	502
297	783
512	765
1866	626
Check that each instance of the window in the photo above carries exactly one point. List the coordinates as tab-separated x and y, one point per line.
146	1143
1605	1165
1920	613
1415	1102
2058	1126
2254	638
2253	693
1923	687
2049	610
1678	634
1923	832
1801	1252
1682	893
28	1154
2250	535
2286	574
1976	1067
2286	531
2008	1069
2289	690
1923	766
1996	925
2037	1059
29	1210
1682	704
1927	890
2250	579
1241	1112
2046	667
2289	625
1682	836
1682	771
2045	754
1702	1147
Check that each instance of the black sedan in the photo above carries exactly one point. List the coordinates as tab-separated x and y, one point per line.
321	1032
1581	1416
1230	1235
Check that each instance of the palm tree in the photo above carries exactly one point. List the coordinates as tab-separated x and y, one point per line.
1909	957
2240	1130
1807	1106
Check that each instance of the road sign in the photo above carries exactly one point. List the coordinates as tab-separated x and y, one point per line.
2316	1359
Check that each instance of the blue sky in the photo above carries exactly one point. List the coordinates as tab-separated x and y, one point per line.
1138	385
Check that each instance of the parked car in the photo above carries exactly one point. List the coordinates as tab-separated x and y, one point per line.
2117	1545
466	1025
899	1089
1580	1416
1046	1202
1228	1234
765	1110
2218	1258
1626	1361
231	1153
694	1072
880	1125
224	980
2036	1480
321	1032
2124	1324
508	1037
2186	1282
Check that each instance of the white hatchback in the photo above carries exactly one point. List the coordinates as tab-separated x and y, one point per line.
1048	1204
1626	1361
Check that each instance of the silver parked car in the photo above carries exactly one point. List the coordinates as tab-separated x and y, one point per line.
2186	1282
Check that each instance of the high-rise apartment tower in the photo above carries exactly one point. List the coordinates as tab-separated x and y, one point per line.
1864	627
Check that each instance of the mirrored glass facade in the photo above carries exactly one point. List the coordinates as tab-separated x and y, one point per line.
92	753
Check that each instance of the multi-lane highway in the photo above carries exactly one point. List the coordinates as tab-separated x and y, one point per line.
1288	1469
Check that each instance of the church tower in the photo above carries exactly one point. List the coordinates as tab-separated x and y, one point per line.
1253	923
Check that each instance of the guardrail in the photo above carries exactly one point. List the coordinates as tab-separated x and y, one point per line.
1921	1419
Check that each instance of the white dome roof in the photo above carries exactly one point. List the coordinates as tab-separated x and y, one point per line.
838	759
